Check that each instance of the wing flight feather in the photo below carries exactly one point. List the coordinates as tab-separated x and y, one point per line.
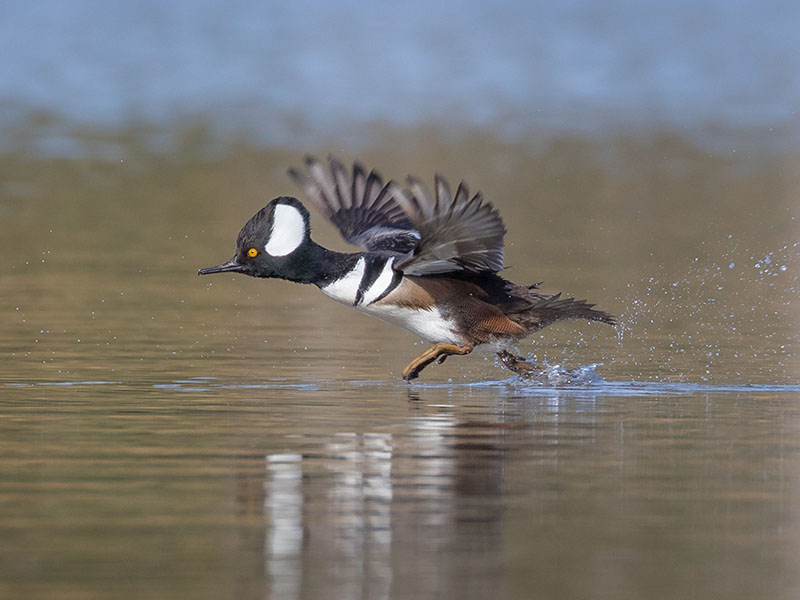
436	234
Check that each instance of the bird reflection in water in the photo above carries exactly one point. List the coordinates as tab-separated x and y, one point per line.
345	512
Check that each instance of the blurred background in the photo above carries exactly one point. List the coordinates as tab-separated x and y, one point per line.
722	73
643	154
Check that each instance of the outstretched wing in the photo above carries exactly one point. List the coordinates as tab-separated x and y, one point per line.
365	210
456	233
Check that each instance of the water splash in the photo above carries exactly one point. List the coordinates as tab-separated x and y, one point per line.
731	317
560	376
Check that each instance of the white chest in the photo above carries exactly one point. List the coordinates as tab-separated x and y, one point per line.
345	289
429	324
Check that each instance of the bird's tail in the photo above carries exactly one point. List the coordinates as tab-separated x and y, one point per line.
545	309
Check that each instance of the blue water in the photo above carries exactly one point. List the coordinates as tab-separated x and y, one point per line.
301	71
581	382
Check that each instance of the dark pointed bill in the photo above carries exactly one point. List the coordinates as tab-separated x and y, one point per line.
232	265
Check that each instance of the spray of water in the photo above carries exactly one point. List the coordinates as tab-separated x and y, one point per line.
731	317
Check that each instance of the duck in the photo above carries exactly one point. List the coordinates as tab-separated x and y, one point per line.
429	264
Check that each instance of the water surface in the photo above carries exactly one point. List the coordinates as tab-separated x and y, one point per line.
174	436
350	489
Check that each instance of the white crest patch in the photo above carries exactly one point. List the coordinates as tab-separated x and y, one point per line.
379	286
345	288
288	231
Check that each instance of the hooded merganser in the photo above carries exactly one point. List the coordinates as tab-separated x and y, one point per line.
430	265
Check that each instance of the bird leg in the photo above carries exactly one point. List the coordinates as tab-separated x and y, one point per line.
517	364
437	352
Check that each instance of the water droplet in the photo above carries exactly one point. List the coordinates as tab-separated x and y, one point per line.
731	265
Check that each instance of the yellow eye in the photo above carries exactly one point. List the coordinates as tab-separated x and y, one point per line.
252	253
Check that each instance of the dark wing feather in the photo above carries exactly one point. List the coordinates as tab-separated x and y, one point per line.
456	233
366	211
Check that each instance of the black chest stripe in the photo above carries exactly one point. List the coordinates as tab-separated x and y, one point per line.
372	270
397	277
